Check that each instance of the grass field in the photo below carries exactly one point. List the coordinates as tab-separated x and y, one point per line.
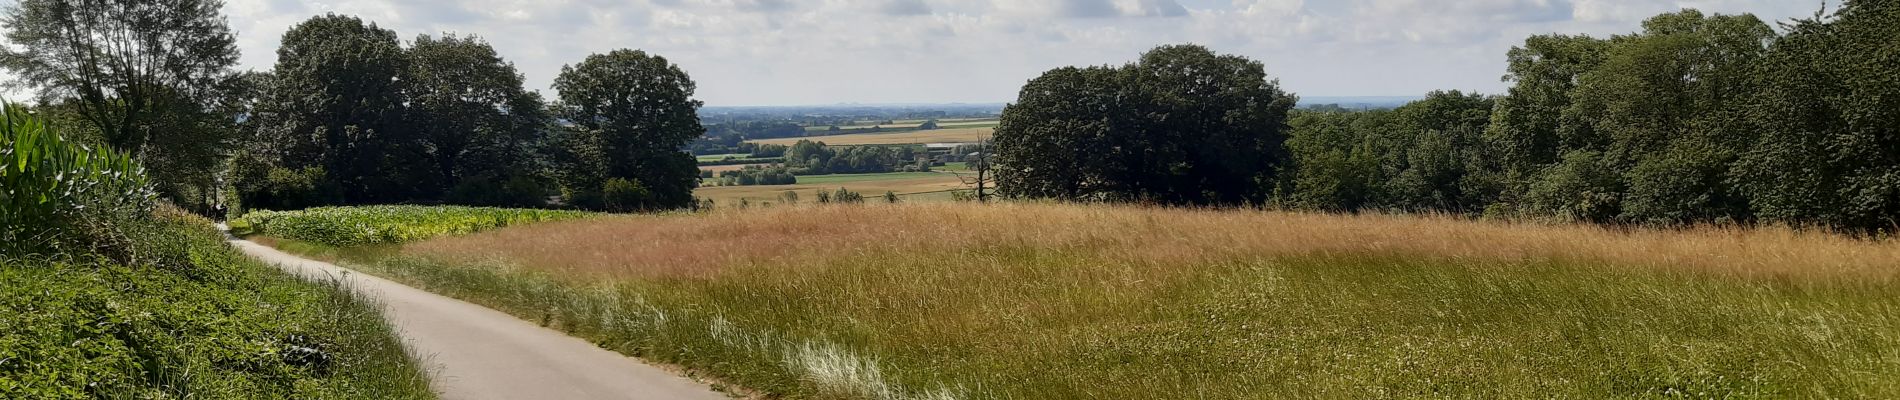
912	186
958	135
1046	301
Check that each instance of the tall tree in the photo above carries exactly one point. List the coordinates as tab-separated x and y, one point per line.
480	126
151	77
636	113
1181	126
337	96
1829	111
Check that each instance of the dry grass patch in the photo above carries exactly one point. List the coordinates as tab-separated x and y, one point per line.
634	246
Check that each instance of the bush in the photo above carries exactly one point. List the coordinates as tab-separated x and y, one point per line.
621	195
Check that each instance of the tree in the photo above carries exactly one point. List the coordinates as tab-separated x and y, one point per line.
1524	130
152	77
481	127
1829	113
637	109
1181	126
337	102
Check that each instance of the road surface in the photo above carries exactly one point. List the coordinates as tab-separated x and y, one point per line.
479	353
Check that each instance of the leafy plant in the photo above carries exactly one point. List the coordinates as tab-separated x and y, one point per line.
58	193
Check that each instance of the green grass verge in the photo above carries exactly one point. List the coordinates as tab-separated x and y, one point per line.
1008	321
200	321
346	226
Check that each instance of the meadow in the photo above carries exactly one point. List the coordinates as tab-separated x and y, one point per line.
910	186
1051	301
947	135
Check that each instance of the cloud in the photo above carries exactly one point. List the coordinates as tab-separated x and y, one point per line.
903	8
1152	8
749	52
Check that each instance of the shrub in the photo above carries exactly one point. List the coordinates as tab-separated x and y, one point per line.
621	195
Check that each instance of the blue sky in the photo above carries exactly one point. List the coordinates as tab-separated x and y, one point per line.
789	52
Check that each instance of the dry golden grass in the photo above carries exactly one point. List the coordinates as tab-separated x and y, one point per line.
730	196
637	246
959	135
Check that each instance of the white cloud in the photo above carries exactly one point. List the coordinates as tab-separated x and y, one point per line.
826	51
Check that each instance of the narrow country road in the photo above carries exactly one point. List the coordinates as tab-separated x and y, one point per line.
479	353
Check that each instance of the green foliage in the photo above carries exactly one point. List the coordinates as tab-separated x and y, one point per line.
1429	155
632	113
1181	126
758	175
514	191
336	101
1582	188
151	78
815	158
57	195
351	226
196	320
621	195
1829	110
480	125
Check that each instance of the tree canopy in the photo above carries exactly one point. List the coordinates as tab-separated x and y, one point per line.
1182	125
631	113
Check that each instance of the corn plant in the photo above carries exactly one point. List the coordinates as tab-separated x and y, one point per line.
55	191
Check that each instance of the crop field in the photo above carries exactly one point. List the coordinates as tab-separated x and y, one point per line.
958	135
348	226
1049	301
911	186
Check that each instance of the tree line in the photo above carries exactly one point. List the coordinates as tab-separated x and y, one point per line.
350	114
1695	119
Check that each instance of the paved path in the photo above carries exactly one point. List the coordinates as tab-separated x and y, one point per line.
479	353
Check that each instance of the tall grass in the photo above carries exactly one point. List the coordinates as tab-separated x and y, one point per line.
1071	301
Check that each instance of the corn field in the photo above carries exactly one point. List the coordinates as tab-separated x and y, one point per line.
373	225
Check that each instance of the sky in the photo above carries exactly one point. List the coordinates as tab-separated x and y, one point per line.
811	52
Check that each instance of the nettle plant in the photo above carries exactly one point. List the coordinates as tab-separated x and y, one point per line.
56	193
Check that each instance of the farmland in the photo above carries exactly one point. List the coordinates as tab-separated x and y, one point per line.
947	135
1029	300
913	186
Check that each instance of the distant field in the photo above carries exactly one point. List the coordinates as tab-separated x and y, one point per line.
1067	301
916	186
721	168
719	157
909	123
959	135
